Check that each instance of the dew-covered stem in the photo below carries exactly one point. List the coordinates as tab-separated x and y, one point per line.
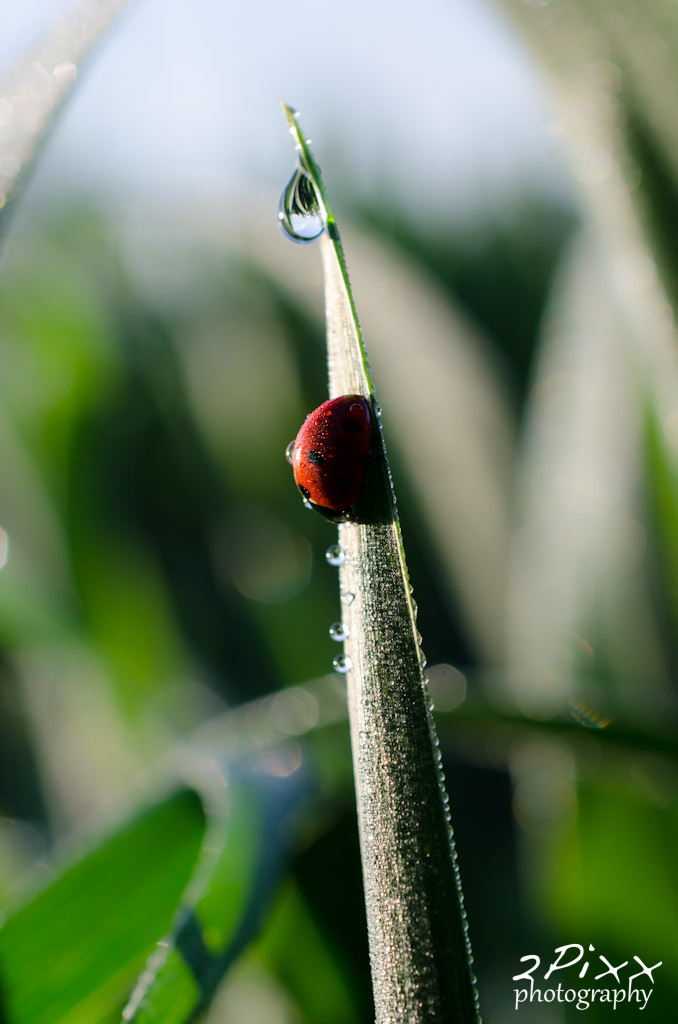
419	947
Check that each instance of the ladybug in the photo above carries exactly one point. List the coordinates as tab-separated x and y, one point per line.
330	454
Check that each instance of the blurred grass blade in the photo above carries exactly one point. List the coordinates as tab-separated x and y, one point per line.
31	99
646	916
314	974
71	953
581	520
627	49
578	451
662	471
582	582
236	878
419	946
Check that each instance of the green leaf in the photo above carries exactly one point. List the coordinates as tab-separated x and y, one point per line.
71	953
596	886
238	873
419	946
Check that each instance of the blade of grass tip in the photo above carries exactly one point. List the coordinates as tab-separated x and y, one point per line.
419	947
34	94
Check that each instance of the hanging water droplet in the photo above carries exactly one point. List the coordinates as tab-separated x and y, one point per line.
338	632
289	452
299	211
347	597
307	504
335	555
342	664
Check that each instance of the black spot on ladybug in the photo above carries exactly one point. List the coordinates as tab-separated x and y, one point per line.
315	457
344	481
352	426
305	491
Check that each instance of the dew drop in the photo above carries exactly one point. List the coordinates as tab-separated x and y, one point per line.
335	555
299	211
338	632
66	71
289	452
347	597
342	664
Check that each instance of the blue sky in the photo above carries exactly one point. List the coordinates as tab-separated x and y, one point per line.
435	100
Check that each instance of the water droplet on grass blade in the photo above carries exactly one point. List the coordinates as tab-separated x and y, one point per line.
342	664
335	555
299	211
338	632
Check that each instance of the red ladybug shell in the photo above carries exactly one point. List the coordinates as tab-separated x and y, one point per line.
330	454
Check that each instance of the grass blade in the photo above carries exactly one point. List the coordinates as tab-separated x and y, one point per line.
662	472
71	952
419	946
237	875
31	99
